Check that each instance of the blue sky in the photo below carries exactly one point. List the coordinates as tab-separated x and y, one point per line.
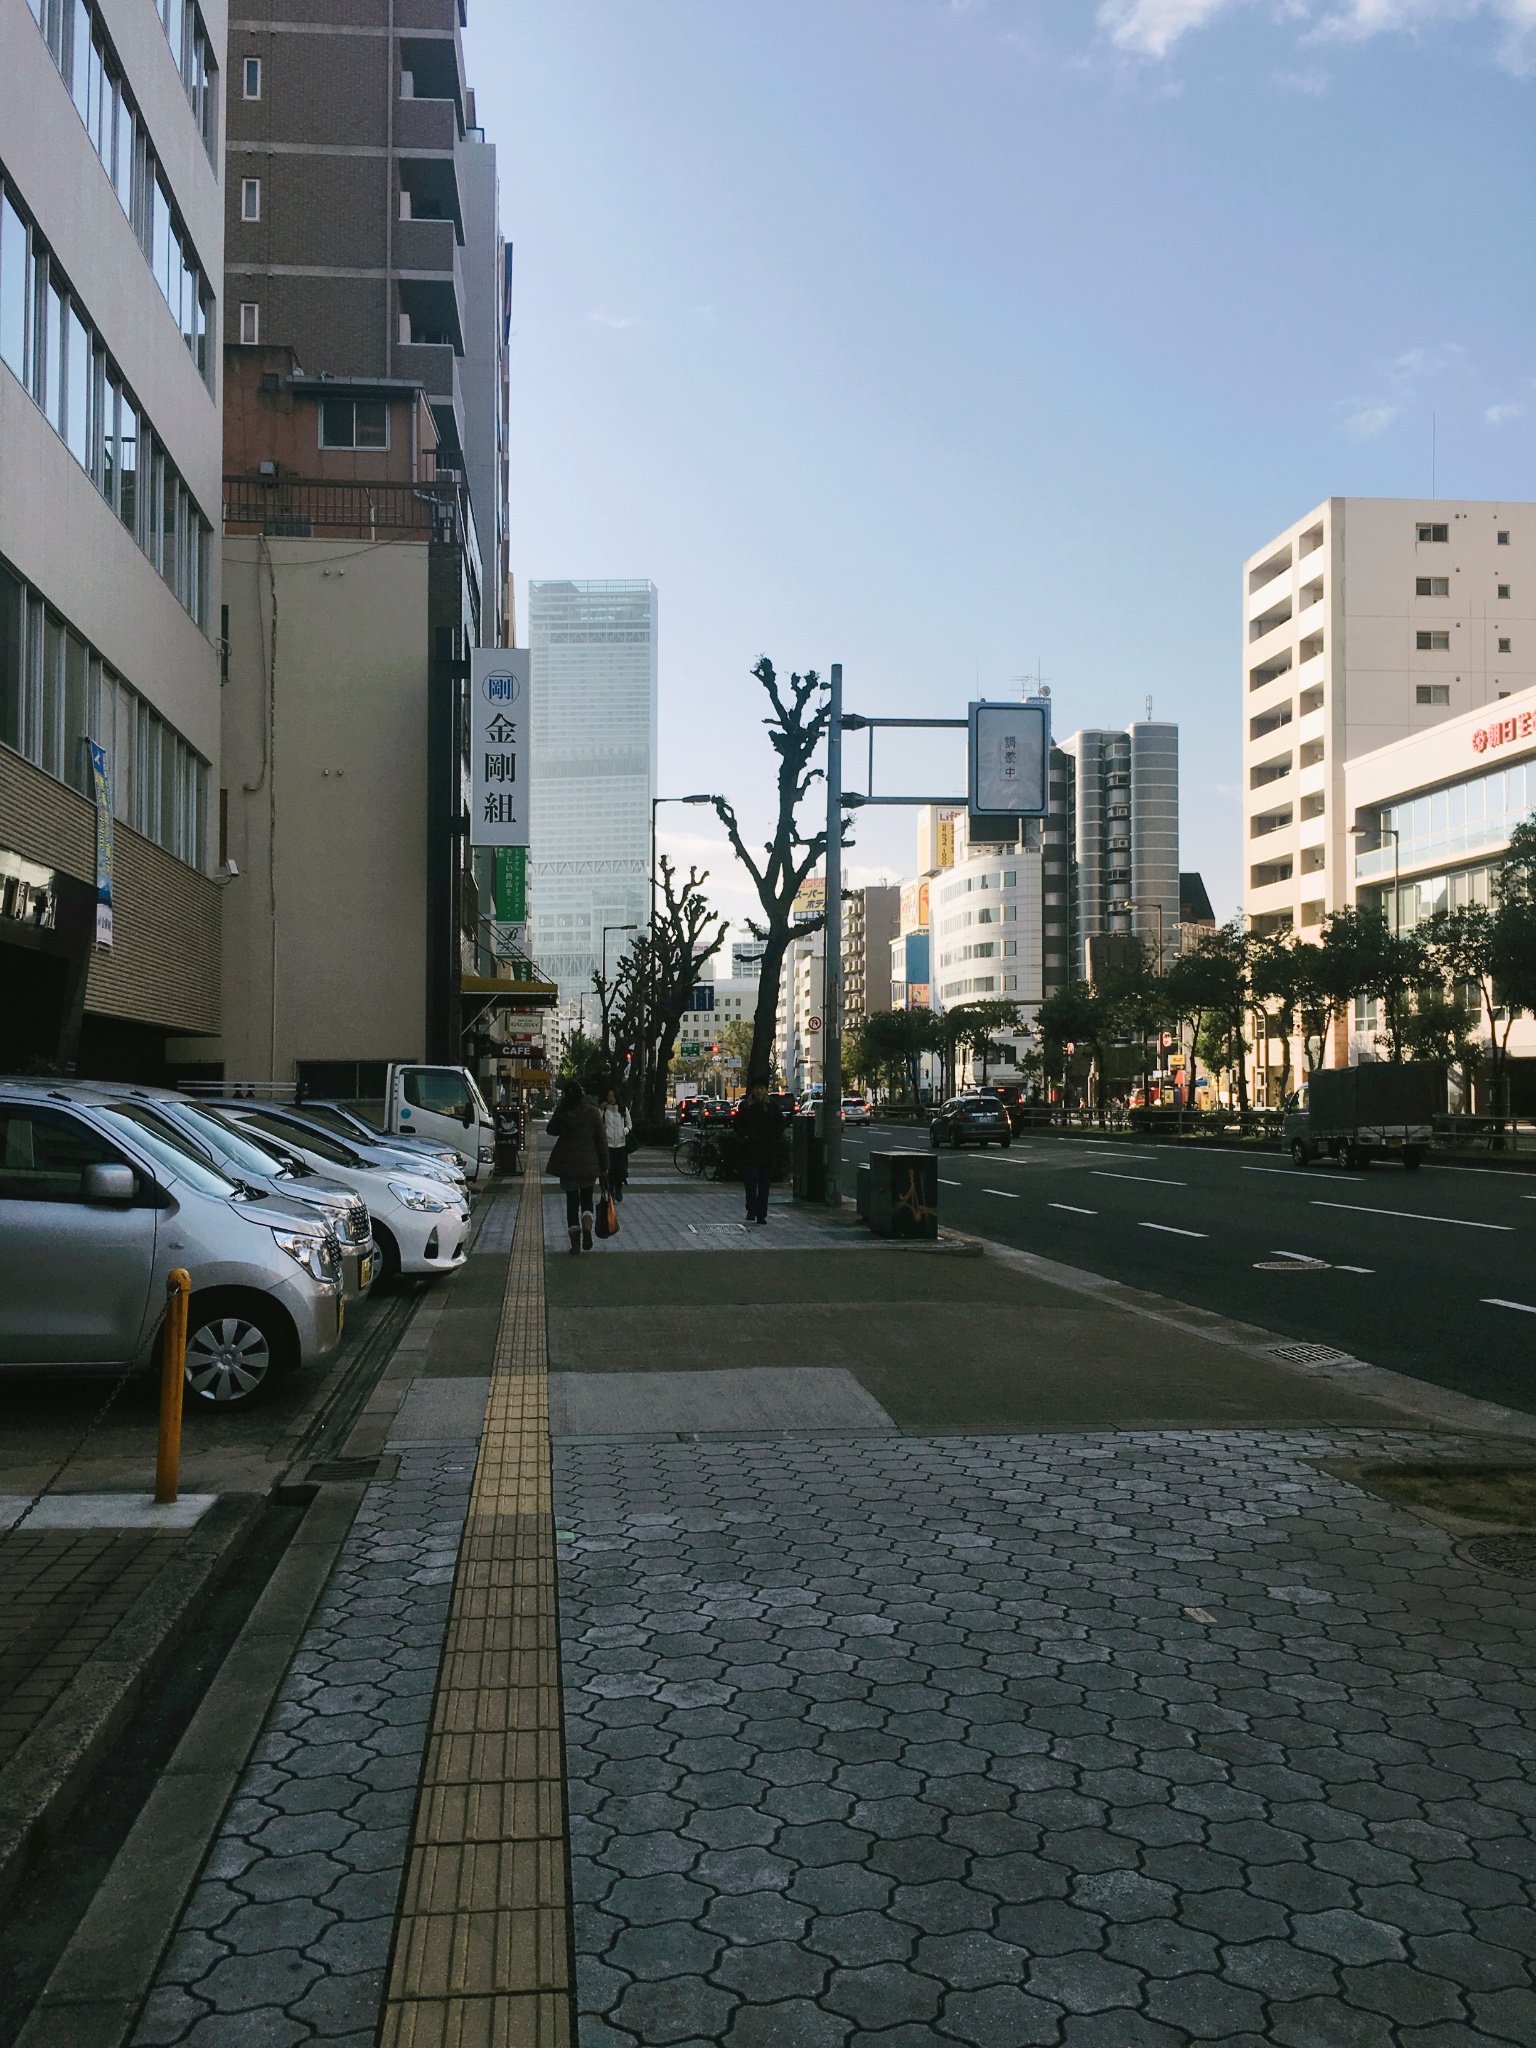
946	340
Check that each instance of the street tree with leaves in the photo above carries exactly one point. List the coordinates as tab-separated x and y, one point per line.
895	1040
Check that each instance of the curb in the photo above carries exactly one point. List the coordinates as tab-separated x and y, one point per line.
46	1775
1432	1405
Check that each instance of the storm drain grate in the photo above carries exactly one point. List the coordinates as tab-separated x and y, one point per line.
344	1468
1313	1354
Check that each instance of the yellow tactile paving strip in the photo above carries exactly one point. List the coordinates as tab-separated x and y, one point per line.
482	1950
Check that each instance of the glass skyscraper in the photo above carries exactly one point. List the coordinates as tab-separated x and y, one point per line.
593	775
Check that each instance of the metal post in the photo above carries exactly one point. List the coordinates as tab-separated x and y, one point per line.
173	1372
832	969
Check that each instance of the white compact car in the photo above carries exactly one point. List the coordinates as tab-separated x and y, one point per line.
420	1225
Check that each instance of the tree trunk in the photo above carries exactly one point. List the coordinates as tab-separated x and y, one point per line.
765	1018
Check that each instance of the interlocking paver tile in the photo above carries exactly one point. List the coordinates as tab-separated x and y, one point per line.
948	1761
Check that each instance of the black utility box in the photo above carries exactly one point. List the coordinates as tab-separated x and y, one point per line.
904	1194
808	1161
861	1191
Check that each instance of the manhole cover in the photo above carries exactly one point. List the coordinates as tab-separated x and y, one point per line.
1513	1554
1312	1354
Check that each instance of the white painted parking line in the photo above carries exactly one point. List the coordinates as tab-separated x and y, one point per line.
1354	1269
1412	1215
1072	1208
1172	1230
1144	1179
1006	1193
1300	1173
1494	1301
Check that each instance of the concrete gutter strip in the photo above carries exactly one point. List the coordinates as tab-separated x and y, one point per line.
1437	1406
41	1782
99	1984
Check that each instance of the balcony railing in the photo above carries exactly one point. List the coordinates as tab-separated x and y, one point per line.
298	510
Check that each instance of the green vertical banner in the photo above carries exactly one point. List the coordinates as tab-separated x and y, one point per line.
512	884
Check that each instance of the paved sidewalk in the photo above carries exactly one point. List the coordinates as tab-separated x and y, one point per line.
1111	1740
699	1216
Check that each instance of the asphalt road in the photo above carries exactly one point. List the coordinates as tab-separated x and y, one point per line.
1431	1273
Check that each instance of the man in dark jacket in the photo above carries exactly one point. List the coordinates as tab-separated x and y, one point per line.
759	1128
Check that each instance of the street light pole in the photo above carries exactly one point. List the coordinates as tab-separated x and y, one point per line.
832	964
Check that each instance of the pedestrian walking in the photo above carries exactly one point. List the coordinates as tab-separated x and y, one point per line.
579	1160
759	1129
617	1125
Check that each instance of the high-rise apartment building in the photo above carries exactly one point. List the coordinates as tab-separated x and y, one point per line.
1122	836
592	725
1367	622
871	920
111	261
365	497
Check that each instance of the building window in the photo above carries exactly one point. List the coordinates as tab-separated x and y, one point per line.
250	323
1433	693
1313	859
251	78
1433	533
1506	646
1431	586
1503	590
250	199
1503	537
1433	643
353	423
1312	913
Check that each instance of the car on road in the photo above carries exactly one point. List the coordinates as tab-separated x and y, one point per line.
970	1120
420	1224
96	1209
240	1157
856	1110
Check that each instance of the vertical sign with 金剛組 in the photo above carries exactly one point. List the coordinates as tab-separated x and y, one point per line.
498	744
101	794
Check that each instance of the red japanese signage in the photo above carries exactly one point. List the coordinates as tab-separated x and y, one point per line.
1504	731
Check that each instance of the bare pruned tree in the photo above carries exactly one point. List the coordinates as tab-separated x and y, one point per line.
797	724
643	1005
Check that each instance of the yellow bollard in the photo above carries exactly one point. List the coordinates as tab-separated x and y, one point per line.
173	1373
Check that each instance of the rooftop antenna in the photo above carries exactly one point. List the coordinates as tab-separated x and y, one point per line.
1433	425
1037	679
1149	711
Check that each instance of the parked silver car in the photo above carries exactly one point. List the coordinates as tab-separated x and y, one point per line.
95	1211
242	1157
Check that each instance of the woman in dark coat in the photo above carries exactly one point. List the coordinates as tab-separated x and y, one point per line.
579	1160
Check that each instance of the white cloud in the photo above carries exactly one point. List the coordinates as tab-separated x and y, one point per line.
1369	421
601	317
1496	415
1150	28
1313	83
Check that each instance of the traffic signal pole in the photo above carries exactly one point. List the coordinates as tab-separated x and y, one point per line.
832	965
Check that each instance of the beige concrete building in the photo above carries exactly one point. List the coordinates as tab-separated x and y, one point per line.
1366	622
111	255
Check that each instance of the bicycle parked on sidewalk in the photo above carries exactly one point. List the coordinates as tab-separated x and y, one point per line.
699	1152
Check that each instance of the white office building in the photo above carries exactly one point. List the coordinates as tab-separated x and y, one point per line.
592	776
1367	622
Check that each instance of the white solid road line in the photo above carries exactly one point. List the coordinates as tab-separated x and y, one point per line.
1006	1193
1494	1301
1172	1229
1412	1215
943	1183
1145	1180
1072	1208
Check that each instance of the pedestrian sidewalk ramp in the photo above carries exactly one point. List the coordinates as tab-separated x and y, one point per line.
763	1398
